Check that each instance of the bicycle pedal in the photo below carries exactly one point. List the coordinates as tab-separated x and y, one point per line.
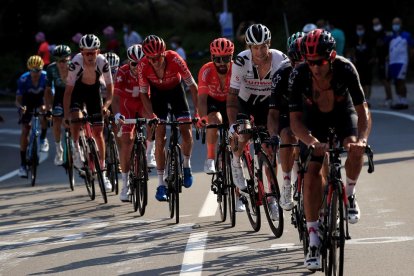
243	199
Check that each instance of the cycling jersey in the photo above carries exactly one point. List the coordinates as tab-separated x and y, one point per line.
279	98
209	82
175	69
245	76
76	69
126	84
56	83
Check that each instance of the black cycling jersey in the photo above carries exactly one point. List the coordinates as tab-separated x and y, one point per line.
279	97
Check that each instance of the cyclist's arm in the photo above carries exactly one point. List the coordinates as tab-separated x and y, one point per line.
273	121
232	105
364	121
48	98
202	105
109	95
194	95
146	103
67	96
300	130
18	102
115	104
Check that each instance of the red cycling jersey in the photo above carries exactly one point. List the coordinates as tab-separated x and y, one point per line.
175	70
209	82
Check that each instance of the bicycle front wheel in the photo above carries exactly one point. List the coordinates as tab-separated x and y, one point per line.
251	202
178	181
68	151
86	171
112	162
220	181
228	182
271	196
97	168
170	167
34	161
142	180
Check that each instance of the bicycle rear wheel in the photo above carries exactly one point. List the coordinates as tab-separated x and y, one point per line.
336	236
112	162
34	161
97	168
179	180
170	167
252	206
133	179
68	151
230	193
86	171
142	180
271	196
220	181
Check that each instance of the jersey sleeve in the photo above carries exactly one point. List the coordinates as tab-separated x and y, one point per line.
295	91
142	79
103	66
49	80
183	70
203	80
74	68
279	87
237	72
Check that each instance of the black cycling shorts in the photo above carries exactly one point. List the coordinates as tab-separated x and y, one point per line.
214	105
175	97
89	96
256	106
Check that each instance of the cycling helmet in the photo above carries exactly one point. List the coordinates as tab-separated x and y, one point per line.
293	46
153	45
309	27
318	42
61	51
221	47
135	53
35	62
113	59
89	41
257	34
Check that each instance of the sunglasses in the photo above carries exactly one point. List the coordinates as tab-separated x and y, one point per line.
133	63
36	70
225	59
114	70
318	62
88	54
63	60
155	58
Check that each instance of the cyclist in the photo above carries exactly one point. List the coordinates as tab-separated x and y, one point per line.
161	72
213	87
325	92
83	88
57	73
125	104
278	117
250	87
113	61
30	95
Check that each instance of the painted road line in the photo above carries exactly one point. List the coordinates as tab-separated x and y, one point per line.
393	113
12	131
209	208
194	254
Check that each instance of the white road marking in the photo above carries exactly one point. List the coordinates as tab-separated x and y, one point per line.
393	113
377	240
209	208
194	254
13	131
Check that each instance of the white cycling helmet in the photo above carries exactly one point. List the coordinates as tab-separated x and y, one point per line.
257	34
89	41
135	52
113	59
309	27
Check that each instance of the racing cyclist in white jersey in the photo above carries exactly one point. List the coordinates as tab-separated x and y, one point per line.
250	89
83	90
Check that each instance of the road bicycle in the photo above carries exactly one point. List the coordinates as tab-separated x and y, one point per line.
112	154
138	173
222	180
262	184
334	226
174	167
33	149
68	158
90	156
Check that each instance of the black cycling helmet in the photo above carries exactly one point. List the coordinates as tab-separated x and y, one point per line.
293	46
90	42
257	34
318	42
61	51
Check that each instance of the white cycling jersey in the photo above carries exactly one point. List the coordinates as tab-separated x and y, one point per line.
245	77
76	69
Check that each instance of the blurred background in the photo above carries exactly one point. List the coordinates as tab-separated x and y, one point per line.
194	22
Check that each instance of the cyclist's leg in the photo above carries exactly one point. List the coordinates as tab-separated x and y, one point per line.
57	114
25	122
215	109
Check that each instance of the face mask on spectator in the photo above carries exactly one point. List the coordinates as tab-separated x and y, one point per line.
396	27
360	32
377	28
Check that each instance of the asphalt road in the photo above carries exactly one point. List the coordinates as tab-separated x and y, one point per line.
50	230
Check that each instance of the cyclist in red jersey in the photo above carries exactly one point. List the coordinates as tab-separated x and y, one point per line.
160	72
126	103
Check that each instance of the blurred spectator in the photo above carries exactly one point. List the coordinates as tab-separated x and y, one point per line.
43	50
362	57
339	36
321	24
241	32
400	49
76	38
111	42
130	37
309	27
175	43
380	54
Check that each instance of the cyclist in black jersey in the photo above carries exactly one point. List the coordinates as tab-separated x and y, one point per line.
278	118
57	73
325	92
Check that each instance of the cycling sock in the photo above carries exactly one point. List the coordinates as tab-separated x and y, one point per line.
313	233
76	145
211	151
350	186
125	178
160	174
295	170
23	158
236	161
150	146
58	146
43	134
186	163
287	178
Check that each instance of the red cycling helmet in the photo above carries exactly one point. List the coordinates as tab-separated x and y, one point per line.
221	47
153	46
318	42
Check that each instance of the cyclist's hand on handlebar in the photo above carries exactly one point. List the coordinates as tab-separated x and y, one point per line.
49	114
22	109
319	148
357	147
154	120
233	130
202	122
119	118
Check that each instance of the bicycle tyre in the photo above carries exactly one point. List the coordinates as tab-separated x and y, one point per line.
142	180
97	167
221	185
252	206
133	180
88	177
112	162
69	160
268	180
301	219
230	190
336	236
179	180
170	178
34	161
